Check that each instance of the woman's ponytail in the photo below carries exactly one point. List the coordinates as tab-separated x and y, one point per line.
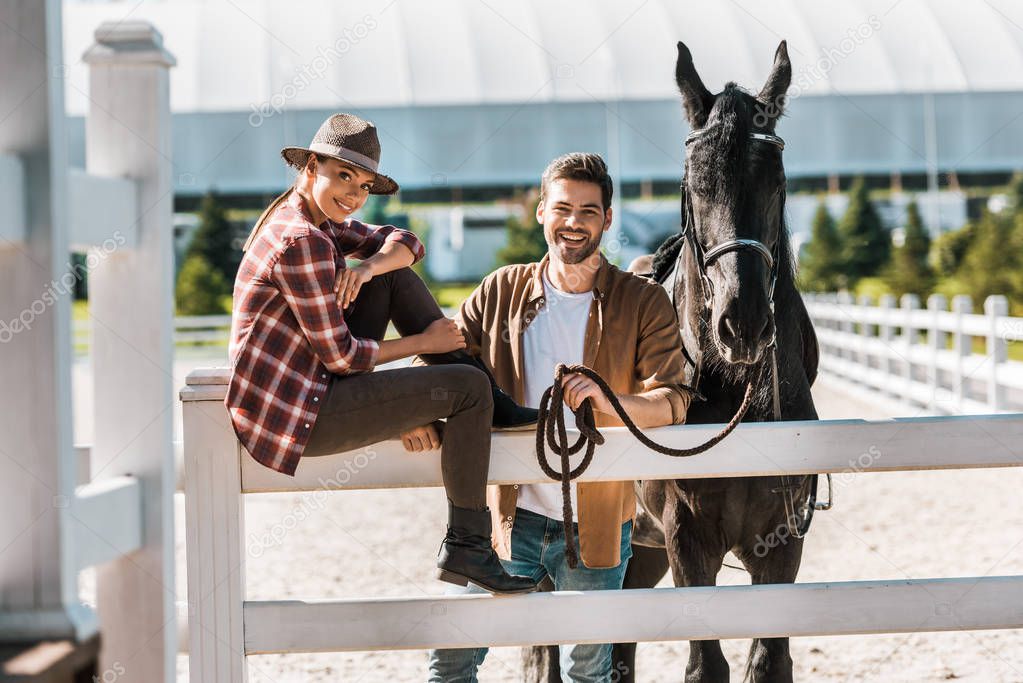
266	215
277	202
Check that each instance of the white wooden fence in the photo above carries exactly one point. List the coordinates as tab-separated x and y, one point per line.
188	329
224	627
923	356
118	209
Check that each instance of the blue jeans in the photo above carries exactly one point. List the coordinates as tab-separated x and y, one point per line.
538	550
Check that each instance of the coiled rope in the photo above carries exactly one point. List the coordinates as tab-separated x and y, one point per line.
552	417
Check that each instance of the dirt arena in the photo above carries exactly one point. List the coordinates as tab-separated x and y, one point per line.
884	526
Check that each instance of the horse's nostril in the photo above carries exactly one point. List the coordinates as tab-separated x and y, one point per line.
727	330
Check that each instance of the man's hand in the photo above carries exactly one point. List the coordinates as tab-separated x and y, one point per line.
350	281
578	388
418	439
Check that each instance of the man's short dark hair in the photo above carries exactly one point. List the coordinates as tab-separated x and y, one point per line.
583	166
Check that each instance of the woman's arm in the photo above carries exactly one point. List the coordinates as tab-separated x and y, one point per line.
304	274
440	336
392	256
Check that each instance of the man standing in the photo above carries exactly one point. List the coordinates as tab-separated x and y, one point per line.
572	307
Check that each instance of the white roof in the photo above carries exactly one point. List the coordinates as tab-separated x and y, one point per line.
322	54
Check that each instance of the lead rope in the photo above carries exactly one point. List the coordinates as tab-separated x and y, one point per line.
552	416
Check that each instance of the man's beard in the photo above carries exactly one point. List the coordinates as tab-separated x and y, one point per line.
577	254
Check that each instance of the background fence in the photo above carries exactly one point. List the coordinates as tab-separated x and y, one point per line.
947	359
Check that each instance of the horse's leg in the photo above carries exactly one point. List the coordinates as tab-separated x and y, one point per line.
540	664
646	568
769	659
695	554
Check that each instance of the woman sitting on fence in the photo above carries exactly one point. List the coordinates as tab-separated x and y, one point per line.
307	330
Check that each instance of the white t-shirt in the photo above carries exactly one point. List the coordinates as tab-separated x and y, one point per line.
556	335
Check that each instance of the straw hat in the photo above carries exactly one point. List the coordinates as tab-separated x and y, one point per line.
350	139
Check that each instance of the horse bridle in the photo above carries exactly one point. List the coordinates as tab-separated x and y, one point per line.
705	259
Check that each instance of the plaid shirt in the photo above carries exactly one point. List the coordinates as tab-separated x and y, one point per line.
288	332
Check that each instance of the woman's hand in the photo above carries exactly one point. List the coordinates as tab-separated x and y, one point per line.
441	336
577	388
418	439
350	281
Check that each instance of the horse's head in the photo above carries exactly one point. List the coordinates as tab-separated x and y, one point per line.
733	199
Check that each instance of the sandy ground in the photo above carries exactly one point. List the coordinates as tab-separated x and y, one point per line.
885	526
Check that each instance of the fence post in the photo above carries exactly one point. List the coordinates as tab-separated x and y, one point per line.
128	135
845	325
214	541
936	304
38	572
866	332
886	332
910	304
997	349
962	305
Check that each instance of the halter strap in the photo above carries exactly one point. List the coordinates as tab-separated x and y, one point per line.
761	137
739	245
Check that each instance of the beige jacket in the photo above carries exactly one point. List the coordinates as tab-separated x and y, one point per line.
633	342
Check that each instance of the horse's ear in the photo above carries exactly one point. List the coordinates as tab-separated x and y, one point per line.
772	95
695	97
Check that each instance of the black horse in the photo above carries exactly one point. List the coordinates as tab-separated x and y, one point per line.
737	304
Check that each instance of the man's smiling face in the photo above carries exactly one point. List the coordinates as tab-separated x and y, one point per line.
574	219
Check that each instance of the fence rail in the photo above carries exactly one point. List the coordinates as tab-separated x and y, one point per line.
927	357
191	329
225	628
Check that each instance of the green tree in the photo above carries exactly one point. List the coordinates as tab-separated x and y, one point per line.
375	211
214	239
820	267
526	242
950	249
989	265
201	288
909	271
866	244
1015	192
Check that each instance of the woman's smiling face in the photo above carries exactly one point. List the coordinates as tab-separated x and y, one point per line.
339	188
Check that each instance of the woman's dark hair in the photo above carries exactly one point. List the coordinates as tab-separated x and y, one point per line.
275	203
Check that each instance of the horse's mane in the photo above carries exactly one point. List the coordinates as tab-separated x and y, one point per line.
721	156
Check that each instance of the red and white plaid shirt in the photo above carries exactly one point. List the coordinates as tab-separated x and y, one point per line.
288	332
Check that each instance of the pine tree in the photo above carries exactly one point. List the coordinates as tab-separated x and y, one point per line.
214	239
989	265
526	242
866	244
950	249
820	267
909	271
1016	193
200	288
